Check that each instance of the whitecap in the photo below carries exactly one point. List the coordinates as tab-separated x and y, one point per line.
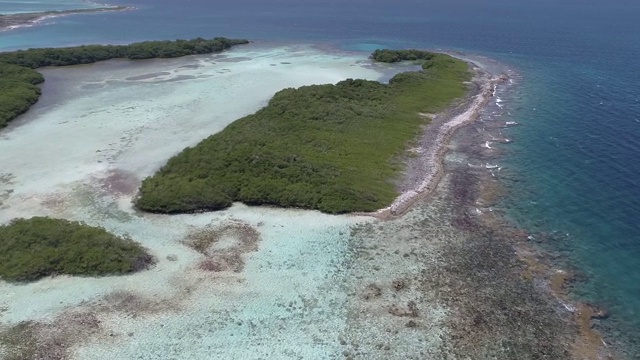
569	307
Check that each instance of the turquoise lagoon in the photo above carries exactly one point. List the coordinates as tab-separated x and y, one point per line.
572	168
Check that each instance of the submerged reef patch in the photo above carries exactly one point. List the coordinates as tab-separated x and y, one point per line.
44	340
224	245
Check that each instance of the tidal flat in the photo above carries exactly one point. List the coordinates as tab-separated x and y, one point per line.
84	148
267	283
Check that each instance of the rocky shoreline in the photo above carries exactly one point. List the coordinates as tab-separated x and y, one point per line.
507	298
536	278
424	166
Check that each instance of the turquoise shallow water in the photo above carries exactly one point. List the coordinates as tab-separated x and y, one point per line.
18	7
573	167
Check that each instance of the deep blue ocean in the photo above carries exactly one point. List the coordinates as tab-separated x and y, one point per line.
574	166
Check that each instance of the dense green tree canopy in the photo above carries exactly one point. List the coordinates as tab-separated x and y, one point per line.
325	147
18	79
18	90
86	54
38	247
391	56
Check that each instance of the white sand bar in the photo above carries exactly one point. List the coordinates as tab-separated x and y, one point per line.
81	153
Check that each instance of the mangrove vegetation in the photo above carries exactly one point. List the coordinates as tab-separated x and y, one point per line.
34	248
18	80
18	90
334	148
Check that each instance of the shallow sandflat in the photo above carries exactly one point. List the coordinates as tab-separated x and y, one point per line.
81	153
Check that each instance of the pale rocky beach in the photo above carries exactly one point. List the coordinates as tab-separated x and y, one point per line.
424	164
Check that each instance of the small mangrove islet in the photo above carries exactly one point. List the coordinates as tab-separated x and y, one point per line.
34	248
333	148
18	79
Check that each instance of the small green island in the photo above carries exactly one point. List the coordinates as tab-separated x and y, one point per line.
31	249
19	79
334	148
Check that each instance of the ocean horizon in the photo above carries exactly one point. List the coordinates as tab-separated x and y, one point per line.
569	170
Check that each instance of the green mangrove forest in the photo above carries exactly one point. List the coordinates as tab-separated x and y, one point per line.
18	79
334	148
34	248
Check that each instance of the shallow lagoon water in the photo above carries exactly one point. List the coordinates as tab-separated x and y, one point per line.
315	286
577	105
133	116
83	150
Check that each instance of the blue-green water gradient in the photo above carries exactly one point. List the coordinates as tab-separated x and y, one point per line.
576	154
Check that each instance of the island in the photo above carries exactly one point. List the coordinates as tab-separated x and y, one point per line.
19	80
334	148
31	249
11	21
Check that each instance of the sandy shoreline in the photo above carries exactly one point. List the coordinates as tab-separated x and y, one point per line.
15	21
424	170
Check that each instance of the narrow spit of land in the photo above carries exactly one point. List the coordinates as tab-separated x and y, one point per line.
424	167
334	148
11	21
19	80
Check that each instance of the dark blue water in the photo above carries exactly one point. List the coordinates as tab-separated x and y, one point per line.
575	156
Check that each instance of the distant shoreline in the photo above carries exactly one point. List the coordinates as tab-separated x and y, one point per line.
15	21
